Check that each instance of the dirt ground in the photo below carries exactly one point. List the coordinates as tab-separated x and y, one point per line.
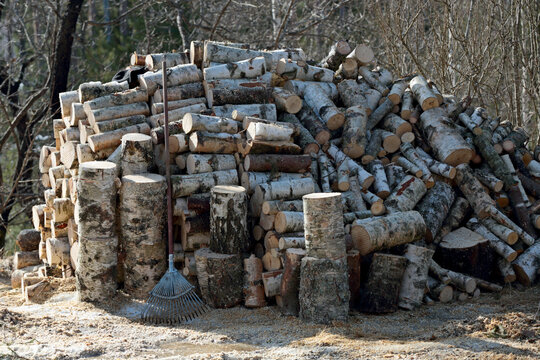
493	326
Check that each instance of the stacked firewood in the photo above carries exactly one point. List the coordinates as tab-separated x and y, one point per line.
438	199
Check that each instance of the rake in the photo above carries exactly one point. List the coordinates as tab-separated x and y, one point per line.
173	299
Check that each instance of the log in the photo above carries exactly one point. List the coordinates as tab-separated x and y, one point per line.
272	207
267	221
324	290
238	112
290	281
202	163
186	185
381	186
441	292
314	124
498	246
62	209
186	92
434	208
352	95
250	180
280	190
504	220
205	142
176	75
397	91
23	259
253	288
126	97
483	143
38	216
396	124
196	122
423	94
280	163
154	62
220	278
406	195
114	138
249	68
176	114
323	106
92	90
304	139
379	113
467	252
300	70
18	274
259	131
28	239
386	231
407	104
236	91
289	221
521	212
376	203
381	293
470	124
142	218
114	124
415	276
489	180
194	241
323	225
372	80
68	154
336	55
228	220
45	159
58	251
272	283
288	242
158	133
502	232
473	191
354	132
286	100
66	99
271	260
412	155
33	292
115	112
448	145
137	154
96	218
526	265
462	282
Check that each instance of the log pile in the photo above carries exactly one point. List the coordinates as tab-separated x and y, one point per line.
431	198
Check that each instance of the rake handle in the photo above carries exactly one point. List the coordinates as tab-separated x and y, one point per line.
168	167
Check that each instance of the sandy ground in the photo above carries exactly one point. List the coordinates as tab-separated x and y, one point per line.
500	326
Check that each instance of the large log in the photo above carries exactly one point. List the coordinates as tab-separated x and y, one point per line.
323	225
386	231
415	276
96	218
324	290
28	239
137	154
467	252
220	278
448	145
434	207
253	288
381	292
228	220
186	185
290	282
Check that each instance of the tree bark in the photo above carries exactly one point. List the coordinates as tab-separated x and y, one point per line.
323	106
526	265
300	70
423	94
125	97
473	191
305	140
289	221
176	75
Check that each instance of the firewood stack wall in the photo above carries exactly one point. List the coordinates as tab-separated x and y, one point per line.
437	198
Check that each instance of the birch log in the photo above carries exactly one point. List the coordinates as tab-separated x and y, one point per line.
91	90
526	266
415	276
241	69
176	75
114	138
434	207
290	282
305	139
137	154
186	185
253	288
321	104
202	163
406	195
473	191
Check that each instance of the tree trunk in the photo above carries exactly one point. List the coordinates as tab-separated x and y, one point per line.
220	278
228	220
381	292
253	288
96	218
387	231
142	219
434	208
415	276
324	290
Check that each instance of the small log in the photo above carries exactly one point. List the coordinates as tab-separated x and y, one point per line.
116	112
205	142
58	251
352	95
354	132
470	124
305	139
287	242
186	185
323	106
228	220
153	62
92	90
289	221
201	163
442	292
280	163
410	167
300	70
483	143
381	183
415	276
336	55
397	91
500	247
267	221
186	92
314	124
507	272
381	292
33	293
396	124
502	232
241	69
423	94
28	239
236	91
473	191
268	132
372	80
290	281
220	278
158	120
114	138
178	143
504	220
18	274
125	97
23	259
460	281
406	195
114	124
176	75
465	251
66	99
253	288
379	113
272	207
62	209
250	180
286	100
280	190
324	290
271	260
376	203
386	231
434	208
137	154
272	283
526	265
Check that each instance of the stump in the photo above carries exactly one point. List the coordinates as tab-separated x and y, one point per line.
324	290
137	154
142	219
228	219
323	225
466	252
220	278
290	281
415	277
96	218
384	282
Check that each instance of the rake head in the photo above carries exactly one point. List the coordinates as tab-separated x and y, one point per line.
173	300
